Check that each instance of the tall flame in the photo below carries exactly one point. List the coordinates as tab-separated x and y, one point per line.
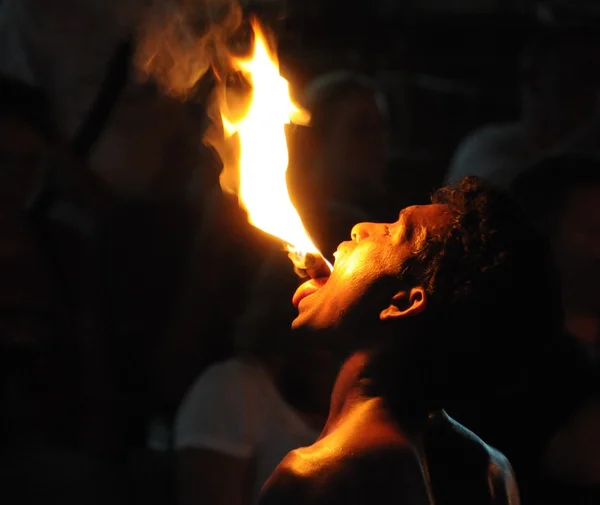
263	153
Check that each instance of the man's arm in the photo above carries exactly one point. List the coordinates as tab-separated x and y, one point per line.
502	482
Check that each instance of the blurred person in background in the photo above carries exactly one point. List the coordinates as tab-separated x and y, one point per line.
32	310
337	175
562	196
67	49
560	109
244	414
142	147
56	396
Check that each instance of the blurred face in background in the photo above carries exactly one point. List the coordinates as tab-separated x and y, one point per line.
353	147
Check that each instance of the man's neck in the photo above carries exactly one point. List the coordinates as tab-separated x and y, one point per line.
349	388
357	383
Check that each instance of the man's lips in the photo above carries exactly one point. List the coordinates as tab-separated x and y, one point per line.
307	289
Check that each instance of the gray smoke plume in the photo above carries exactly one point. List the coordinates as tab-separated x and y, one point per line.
180	40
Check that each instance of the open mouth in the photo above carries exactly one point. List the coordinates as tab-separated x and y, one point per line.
308	288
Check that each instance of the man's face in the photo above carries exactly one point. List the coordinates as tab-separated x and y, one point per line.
367	269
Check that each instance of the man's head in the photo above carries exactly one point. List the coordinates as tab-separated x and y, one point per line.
349	127
448	279
562	197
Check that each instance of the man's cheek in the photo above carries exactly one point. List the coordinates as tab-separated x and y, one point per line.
363	263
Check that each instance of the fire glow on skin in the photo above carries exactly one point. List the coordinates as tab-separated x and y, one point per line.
263	154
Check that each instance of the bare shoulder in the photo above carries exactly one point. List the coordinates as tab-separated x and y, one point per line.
327	473
288	485
465	468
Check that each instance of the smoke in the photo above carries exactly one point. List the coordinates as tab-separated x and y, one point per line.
179	41
186	48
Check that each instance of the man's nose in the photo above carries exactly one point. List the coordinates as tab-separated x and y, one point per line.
363	230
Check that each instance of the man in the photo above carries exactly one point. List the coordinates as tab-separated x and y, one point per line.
424	310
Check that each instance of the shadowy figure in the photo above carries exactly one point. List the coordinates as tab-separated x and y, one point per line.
338	168
148	146
32	313
560	90
56	401
561	195
425	309
244	414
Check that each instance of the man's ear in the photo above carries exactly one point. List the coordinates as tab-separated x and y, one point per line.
405	303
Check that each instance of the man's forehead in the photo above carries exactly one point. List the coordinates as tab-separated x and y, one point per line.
432	215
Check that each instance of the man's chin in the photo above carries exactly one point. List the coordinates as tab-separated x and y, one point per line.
298	324
310	330
308	305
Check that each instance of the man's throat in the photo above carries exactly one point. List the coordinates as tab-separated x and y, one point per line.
364	376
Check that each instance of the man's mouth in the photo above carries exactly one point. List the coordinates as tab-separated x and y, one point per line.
308	288
312	286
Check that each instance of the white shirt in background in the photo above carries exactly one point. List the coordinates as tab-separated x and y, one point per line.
495	153
234	408
499	153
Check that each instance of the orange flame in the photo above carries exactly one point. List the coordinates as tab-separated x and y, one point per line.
263	153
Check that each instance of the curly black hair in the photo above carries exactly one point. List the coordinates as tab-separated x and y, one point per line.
495	299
